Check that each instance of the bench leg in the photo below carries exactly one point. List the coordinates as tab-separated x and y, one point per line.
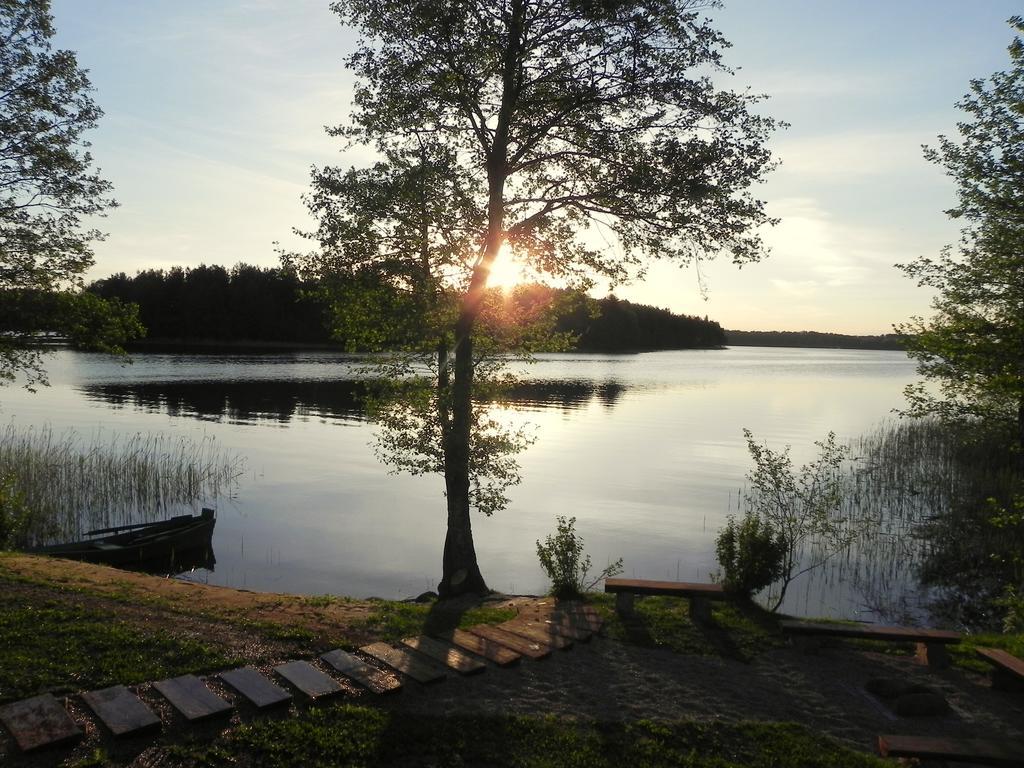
624	603
934	655
1004	680
700	610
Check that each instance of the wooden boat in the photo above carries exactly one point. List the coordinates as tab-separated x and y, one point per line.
166	546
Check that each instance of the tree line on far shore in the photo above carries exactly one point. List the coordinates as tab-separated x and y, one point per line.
212	304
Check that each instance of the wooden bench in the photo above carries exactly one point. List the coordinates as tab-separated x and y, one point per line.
931	643
1007	669
699	595
984	751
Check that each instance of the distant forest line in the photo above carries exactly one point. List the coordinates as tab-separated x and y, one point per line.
264	306
267	306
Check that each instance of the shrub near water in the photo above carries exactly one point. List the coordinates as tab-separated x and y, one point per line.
752	554
566	563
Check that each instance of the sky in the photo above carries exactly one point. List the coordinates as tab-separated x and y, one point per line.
215	113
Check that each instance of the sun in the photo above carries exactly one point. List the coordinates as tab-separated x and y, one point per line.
506	271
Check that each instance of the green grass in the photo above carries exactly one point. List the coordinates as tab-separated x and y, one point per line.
392	621
964	656
348	735
737	631
51	646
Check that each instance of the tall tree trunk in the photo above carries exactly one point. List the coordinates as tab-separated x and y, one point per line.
460	571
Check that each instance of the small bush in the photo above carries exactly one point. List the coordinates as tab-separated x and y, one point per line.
566	564
752	554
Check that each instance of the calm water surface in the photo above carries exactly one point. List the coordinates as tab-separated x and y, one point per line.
646	451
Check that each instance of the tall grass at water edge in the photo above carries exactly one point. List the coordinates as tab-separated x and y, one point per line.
914	495
68	484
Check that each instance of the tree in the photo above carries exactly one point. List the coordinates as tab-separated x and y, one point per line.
544	127
47	185
973	345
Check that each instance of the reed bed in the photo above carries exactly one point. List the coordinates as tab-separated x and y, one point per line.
915	493
70	484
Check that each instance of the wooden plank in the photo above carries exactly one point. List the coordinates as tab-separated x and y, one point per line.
308	679
191	698
584	616
258	690
987	751
39	722
670	588
418	668
369	677
445	653
517	643
481	646
121	711
870	632
1002	659
540	634
557	624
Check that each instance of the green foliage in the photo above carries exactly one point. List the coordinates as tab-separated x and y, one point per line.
349	735
801	507
49	645
738	631
49	186
564	560
971	345
15	516
751	552
391	621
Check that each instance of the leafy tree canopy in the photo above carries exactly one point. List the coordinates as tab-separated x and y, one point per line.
47	187
582	136
973	346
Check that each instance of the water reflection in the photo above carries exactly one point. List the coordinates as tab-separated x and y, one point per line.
281	401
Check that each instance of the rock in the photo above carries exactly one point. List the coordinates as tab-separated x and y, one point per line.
921	705
427	597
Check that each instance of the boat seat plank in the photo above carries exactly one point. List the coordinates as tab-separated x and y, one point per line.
438	650
308	679
481	646
39	722
521	645
121	711
369	677
418	668
1001	752
192	698
257	689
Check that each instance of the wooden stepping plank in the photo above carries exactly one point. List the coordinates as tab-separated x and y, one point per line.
987	751
420	670
191	698
369	677
257	689
581	615
1007	669
308	679
441	651
39	722
517	643
121	711
556	625
541	635
490	650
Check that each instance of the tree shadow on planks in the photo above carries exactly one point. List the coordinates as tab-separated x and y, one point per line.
446	615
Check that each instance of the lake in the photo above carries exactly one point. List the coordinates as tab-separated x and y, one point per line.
645	450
